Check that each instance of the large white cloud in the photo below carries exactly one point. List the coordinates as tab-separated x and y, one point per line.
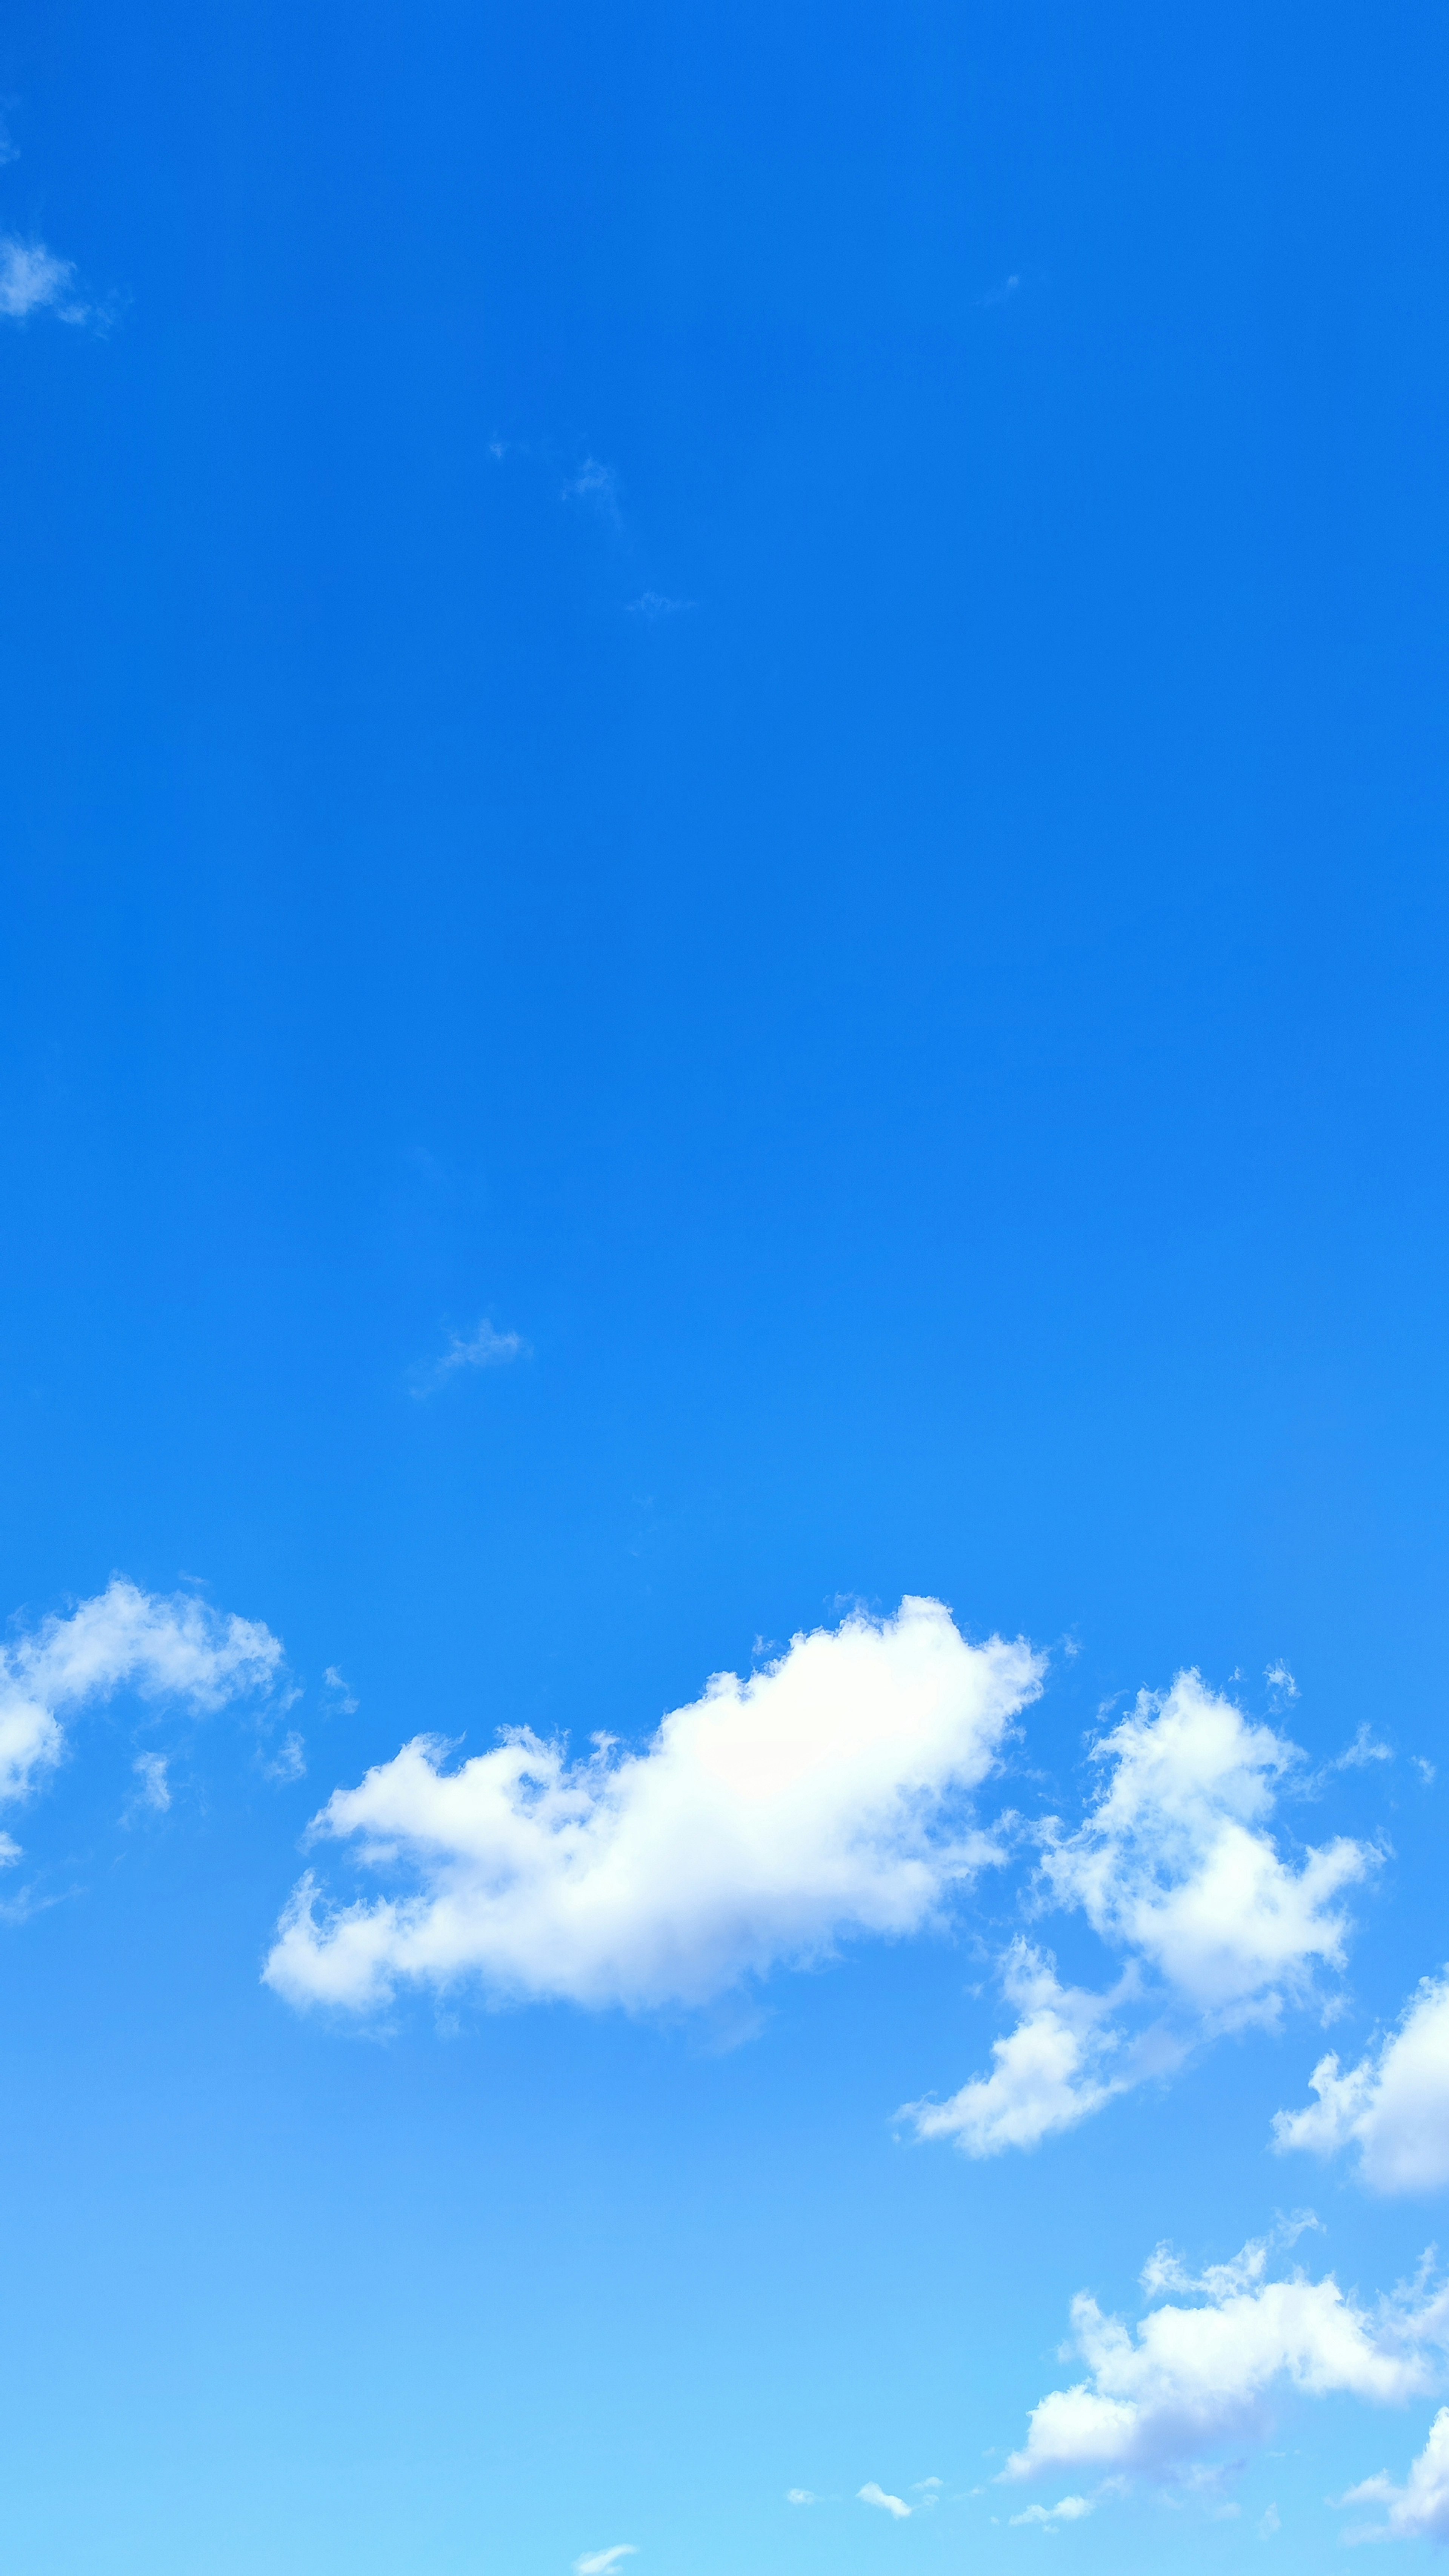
1419	2509
1175	1865
162	1648
824	1796
1393	2107
1188	2380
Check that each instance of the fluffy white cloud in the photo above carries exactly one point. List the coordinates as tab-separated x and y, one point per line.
824	1796
870	2493
1393	2106
162	1648
1189	2379
1064	2059
1419	2509
32	279
1175	1862
1175	1865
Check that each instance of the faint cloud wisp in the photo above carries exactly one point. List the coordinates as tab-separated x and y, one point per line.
486	1348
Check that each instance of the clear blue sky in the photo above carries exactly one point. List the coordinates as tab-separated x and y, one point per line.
724	801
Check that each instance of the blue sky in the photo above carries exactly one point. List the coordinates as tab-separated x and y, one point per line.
724	953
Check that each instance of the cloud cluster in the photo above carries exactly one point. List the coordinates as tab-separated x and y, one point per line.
826	1795
1393	2107
1175	1865
1188	2380
162	1648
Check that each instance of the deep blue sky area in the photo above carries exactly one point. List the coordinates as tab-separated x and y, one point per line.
759	691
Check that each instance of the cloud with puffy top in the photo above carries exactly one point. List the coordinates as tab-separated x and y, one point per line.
1162	2397
827	1796
1392	2109
1419	2509
1177	1869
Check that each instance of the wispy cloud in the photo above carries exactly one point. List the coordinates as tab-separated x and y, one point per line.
597	486
652	605
1072	2508
602	2562
823	1797
154	1791
34	279
486	1348
800	2495
289	1762
344	1704
163	1648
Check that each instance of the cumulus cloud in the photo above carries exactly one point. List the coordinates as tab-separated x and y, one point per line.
485	1348
1392	2108
870	2493
1419	2509
1064	2060
162	1648
1175	1862
1187	2380
1174	1865
825	1796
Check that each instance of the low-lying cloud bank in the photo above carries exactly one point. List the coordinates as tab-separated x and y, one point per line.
826	1796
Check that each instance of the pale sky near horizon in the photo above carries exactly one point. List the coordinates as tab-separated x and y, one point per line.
722	1752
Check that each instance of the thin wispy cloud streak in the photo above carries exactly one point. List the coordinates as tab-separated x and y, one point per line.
485	1348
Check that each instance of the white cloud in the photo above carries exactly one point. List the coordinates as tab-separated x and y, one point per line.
1424	1769
597	485
1280	1679
1063	2061
601	2562
289	1762
654	604
870	2493
1419	2509
1364	1749
150	1770
800	2495
1393	2106
1072	2508
33	280
163	1648
346	1705
1174	1865
824	1796
1271	2521
486	1348
1189	2379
